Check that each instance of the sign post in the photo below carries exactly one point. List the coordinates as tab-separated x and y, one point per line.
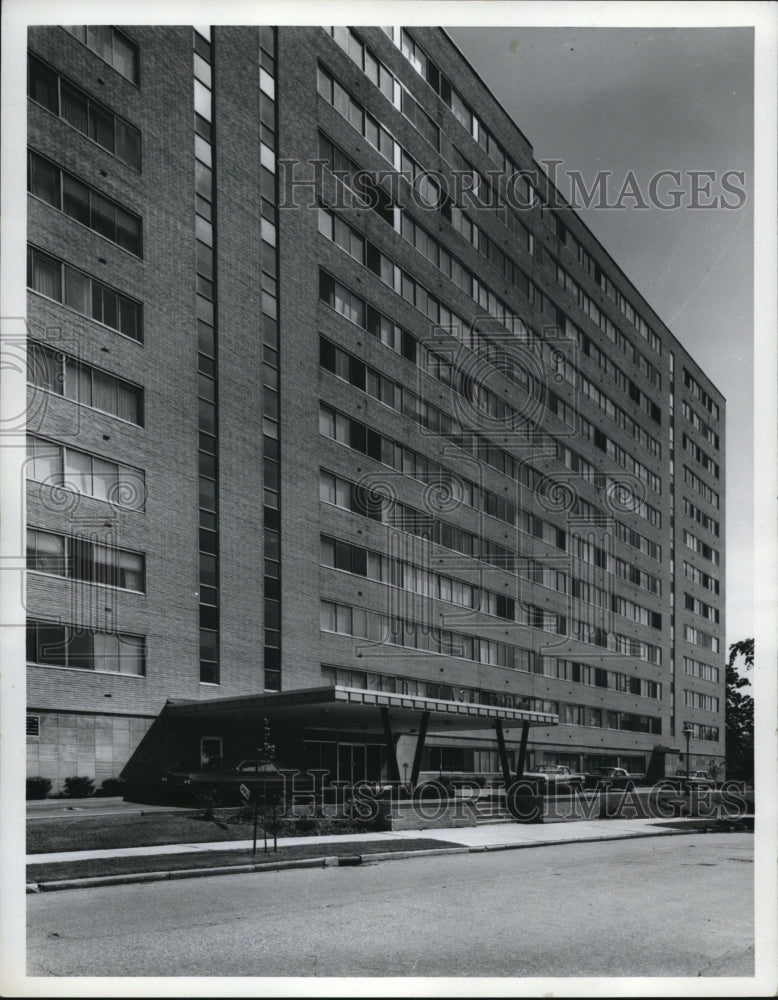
246	796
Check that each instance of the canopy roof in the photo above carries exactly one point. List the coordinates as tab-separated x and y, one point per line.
340	707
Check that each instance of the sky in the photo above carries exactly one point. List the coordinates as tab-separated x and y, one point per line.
646	100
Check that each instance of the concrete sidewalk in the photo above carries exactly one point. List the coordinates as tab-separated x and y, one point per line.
488	836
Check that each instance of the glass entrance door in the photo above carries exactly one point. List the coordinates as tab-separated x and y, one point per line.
351	762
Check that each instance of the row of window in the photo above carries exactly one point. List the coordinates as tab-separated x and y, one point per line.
57	465
594	270
636	612
54	645
699	424
355	114
367	254
694	387
701	548
599	317
111	45
698	607
426	583
369	503
59	373
696	668
378	507
354	308
353	370
207	364
484	137
65	192
700	517
594	555
699	638
696	699
701	487
479	239
585	673
704	732
414	687
83	559
341	428
600	718
55	93
701	456
620	455
270	349
640	542
373	626
608	367
402	99
72	287
704	579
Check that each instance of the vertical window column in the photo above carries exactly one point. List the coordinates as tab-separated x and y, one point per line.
270	349
205	278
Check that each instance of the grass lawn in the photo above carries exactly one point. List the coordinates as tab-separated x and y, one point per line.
87	834
215	859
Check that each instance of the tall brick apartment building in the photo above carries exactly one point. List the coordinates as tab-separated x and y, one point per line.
329	390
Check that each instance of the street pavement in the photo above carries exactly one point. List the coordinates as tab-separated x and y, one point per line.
648	907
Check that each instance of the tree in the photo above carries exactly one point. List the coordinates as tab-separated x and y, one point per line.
267	751
739	714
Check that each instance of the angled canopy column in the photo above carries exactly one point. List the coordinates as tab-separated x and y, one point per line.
425	718
522	751
506	771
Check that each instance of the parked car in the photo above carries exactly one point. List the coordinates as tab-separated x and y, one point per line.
222	786
553	776
698	779
616	777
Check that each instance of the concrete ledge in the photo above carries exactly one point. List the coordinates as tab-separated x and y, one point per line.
401	855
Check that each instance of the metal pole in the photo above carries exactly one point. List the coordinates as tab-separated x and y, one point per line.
254	848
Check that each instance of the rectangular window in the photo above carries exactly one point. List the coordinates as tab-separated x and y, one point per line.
57	372
56	465
63	283
69	646
83	113
111	45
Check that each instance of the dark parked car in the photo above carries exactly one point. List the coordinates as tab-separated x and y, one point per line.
616	777
223	786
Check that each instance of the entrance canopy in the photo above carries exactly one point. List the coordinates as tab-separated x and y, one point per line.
340	707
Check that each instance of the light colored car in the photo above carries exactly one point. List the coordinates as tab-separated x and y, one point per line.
555	776
700	779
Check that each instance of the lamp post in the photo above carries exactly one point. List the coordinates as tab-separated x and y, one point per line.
688	731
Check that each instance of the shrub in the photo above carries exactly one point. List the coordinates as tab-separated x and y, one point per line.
38	788
111	787
79	787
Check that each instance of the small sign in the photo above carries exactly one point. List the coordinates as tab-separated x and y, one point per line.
245	792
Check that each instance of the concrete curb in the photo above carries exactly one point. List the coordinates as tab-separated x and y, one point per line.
332	861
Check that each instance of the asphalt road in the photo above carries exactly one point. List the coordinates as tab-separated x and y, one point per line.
675	906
